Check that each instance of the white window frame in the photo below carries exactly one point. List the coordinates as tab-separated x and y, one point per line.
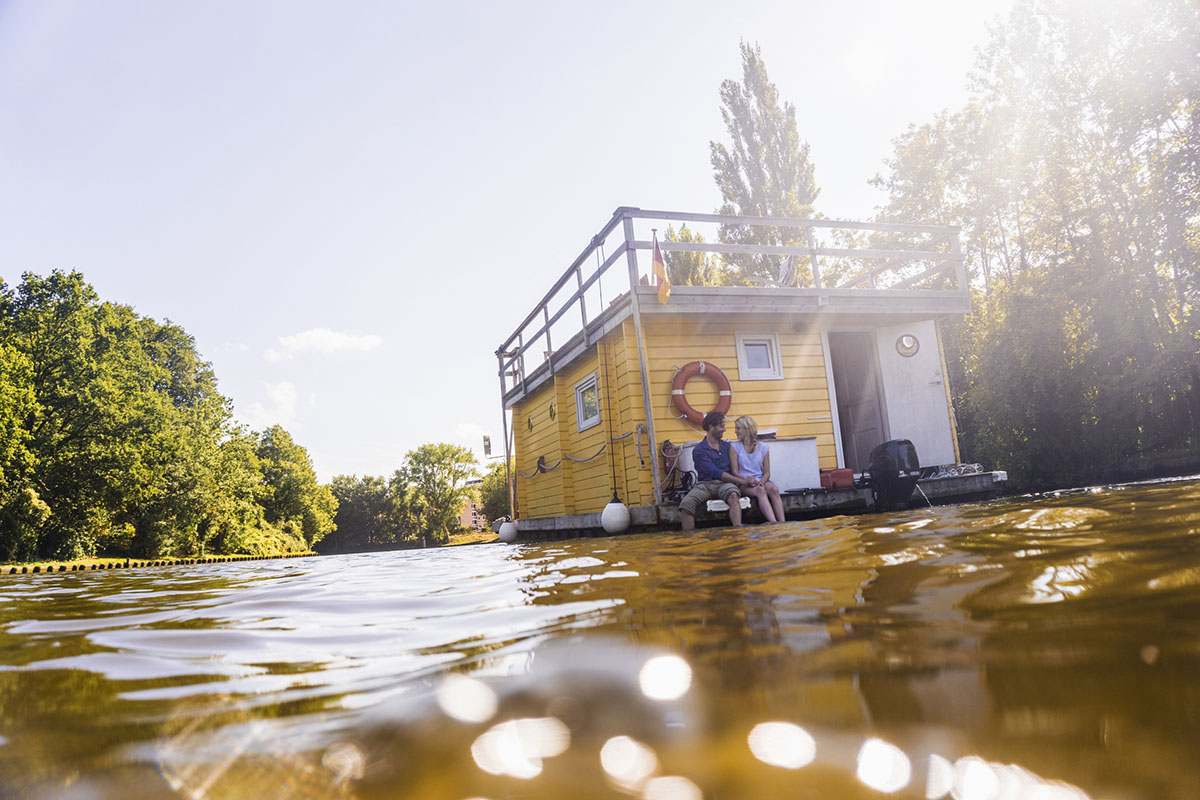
771	340
589	382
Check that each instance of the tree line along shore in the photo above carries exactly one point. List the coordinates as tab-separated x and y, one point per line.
115	442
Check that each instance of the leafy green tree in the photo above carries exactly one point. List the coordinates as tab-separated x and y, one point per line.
230	489
157	466
22	511
764	170
430	487
55	325
366	517
114	438
692	268
291	496
493	492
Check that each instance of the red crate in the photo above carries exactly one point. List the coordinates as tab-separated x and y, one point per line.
837	478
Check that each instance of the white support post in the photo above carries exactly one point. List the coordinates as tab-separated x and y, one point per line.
582	299
631	258
519	367
961	266
812	259
508	480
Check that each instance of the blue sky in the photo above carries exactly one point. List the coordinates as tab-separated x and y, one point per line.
351	204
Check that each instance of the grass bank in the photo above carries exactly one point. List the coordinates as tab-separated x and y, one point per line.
472	537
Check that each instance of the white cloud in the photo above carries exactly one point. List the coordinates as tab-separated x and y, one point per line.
321	340
280	408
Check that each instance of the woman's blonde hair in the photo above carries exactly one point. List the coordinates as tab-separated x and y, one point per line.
747	432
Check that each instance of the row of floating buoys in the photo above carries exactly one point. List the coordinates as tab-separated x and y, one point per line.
168	562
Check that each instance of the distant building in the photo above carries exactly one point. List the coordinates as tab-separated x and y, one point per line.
472	512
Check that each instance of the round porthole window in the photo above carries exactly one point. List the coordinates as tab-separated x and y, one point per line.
907	345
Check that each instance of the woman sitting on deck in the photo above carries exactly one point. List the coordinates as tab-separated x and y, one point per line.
752	459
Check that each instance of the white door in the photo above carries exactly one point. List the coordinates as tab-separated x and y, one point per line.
914	390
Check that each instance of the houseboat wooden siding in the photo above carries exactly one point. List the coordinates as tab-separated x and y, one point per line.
580	487
537	434
633	477
796	405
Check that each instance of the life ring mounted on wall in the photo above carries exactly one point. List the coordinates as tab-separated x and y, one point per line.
710	371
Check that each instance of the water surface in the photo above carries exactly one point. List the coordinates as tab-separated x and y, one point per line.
1039	647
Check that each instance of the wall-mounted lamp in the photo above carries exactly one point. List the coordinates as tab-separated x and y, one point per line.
907	345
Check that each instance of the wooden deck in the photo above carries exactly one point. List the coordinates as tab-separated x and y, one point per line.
797	505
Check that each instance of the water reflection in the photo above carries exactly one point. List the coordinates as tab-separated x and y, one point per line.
466	699
671	787
627	762
665	678
1044	647
518	747
782	744
883	766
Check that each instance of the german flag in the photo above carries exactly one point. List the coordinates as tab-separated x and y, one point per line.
660	274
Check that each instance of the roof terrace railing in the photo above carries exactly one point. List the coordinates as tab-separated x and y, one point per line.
879	258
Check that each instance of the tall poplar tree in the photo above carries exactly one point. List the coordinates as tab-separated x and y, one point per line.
764	171
694	268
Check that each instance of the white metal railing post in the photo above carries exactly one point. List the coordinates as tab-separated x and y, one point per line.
519	366
631	259
961	267
812	259
582	299
508	480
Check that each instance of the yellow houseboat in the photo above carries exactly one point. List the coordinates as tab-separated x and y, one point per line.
833	350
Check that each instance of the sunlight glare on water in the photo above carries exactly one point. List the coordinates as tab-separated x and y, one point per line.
665	678
1037	648
628	762
883	766
782	744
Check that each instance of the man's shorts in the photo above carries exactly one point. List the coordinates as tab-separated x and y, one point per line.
702	492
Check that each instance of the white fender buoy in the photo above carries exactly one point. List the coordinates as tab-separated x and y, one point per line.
508	532
615	517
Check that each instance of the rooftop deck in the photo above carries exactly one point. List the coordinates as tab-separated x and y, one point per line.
851	269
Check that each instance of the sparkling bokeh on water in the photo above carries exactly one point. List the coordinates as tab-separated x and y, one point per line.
1043	646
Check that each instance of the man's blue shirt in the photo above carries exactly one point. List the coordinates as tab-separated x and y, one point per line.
710	463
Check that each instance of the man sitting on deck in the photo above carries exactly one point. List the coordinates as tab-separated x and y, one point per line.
714	475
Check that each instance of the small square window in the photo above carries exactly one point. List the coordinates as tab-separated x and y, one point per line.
587	403
758	357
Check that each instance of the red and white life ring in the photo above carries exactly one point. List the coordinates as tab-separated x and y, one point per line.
710	371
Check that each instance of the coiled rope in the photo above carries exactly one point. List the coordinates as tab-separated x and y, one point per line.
542	466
